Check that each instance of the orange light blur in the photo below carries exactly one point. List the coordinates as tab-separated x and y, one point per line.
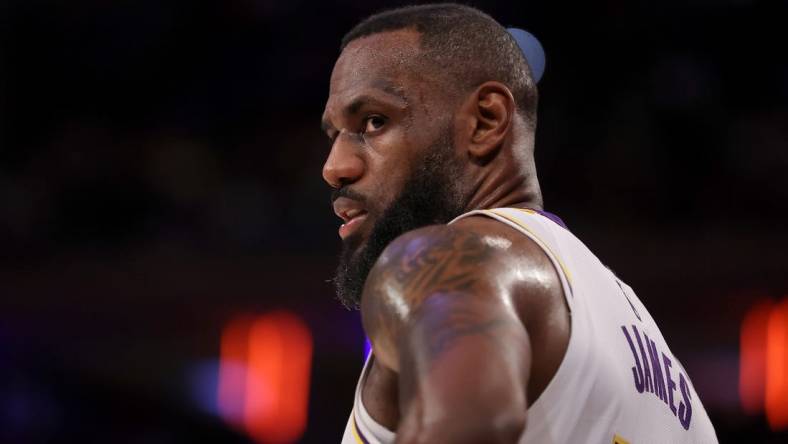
777	367
752	362
232	370
270	402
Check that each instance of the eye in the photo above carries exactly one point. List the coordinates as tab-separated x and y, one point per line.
373	123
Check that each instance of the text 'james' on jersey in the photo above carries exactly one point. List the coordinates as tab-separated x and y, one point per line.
652	374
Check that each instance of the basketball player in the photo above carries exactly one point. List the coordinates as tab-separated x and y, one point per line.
490	322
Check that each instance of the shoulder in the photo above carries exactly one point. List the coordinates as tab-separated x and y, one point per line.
439	258
479	239
453	248
471	252
476	261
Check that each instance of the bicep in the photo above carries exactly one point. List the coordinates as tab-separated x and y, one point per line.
464	364
438	315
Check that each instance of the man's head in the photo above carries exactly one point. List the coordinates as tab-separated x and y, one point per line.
429	107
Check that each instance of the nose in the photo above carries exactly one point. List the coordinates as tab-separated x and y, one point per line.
344	164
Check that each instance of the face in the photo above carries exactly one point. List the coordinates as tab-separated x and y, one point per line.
392	164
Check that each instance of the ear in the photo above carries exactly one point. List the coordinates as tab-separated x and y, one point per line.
490	109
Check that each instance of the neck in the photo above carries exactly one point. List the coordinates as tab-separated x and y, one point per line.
509	179
520	190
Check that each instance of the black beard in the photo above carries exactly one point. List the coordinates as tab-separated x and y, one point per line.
430	196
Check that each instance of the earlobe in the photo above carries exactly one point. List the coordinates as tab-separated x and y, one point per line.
493	108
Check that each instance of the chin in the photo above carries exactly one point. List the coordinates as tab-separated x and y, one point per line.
359	237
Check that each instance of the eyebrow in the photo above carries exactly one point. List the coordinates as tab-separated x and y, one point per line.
358	102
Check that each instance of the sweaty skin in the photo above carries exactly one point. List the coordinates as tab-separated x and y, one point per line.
468	321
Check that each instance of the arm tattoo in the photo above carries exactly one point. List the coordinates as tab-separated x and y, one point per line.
438	274
447	318
445	263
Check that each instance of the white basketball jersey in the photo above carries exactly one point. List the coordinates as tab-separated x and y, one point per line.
618	381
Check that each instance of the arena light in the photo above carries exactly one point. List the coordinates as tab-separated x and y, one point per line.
264	376
777	367
752	362
232	370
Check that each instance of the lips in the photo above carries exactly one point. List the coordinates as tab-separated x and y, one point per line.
351	225
352	214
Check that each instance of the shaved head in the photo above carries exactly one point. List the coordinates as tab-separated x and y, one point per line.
460	47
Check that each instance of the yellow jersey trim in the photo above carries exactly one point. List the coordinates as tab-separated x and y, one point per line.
619	440
354	429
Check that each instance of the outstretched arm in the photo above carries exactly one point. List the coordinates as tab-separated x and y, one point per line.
438	309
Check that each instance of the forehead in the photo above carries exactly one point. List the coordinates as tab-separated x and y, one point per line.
376	62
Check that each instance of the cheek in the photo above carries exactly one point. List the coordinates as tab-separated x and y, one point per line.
388	166
387	186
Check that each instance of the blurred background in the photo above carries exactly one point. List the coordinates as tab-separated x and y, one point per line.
166	237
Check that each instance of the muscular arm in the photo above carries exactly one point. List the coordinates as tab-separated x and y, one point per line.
439	309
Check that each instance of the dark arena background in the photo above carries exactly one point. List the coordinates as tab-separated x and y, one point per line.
166	237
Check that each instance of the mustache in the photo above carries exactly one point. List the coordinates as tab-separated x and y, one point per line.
345	191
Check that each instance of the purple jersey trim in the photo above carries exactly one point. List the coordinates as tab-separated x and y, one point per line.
358	431
553	218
